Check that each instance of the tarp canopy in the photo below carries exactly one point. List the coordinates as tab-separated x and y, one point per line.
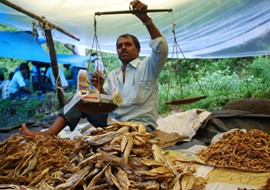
203	29
23	45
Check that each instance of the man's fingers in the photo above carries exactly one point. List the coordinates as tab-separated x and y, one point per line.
134	3
137	5
142	6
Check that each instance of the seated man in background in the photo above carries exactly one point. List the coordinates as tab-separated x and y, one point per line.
50	80
2	78
5	86
68	74
136	80
19	85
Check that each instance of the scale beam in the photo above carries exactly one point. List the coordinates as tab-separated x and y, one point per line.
132	12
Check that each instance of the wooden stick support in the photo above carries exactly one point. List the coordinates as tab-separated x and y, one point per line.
55	69
41	19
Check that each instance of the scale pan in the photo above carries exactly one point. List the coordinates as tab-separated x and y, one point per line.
185	101
97	108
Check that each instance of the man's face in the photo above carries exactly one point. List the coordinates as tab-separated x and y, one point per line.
126	50
24	71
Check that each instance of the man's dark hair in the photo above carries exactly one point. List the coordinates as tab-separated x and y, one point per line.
134	38
2	76
23	66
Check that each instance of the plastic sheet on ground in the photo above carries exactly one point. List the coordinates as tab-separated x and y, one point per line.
221	178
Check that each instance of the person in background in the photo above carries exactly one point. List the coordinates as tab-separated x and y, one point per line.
5	86
3	70
2	77
26	75
136	80
34	76
50	80
98	64
78	50
19	85
68	74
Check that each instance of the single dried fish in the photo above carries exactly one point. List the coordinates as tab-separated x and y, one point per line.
122	178
74	179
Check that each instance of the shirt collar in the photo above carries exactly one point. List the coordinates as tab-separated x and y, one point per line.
134	63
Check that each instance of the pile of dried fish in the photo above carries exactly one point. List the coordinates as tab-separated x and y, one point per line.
27	161
241	150
124	156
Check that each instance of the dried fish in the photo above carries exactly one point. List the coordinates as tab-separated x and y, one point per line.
98	187
108	174
240	150
75	179
122	178
44	185
95	179
24	161
149	162
102	138
128	148
122	156
124	142
40	177
150	185
13	187
31	164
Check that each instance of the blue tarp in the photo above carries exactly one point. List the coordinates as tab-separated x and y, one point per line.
23	45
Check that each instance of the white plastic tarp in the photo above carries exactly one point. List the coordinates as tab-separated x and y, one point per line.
203	28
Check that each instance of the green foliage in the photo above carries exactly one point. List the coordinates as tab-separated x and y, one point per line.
7	28
111	61
222	80
14	113
260	68
9	65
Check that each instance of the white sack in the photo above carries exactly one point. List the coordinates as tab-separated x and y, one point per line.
184	123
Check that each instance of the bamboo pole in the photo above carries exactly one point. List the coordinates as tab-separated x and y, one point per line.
54	66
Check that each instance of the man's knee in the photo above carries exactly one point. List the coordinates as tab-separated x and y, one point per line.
97	120
72	117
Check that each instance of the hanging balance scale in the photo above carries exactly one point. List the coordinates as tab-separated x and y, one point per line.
104	107
175	52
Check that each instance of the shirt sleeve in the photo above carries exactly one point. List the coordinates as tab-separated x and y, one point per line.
159	54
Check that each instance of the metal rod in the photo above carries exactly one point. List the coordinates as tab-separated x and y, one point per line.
132	12
41	19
